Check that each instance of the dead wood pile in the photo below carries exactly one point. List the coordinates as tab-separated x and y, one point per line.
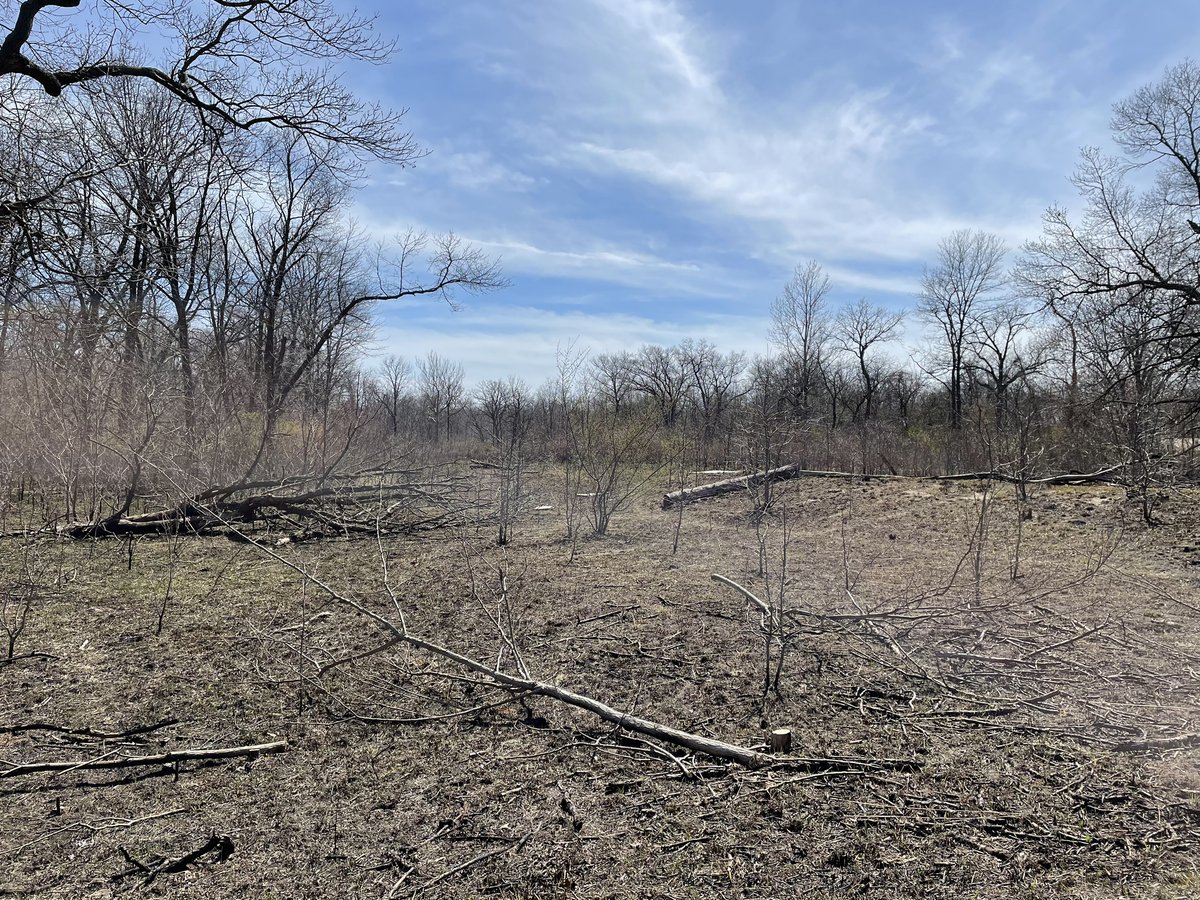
394	501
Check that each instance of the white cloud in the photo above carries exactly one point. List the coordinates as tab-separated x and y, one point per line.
661	22
544	250
821	171
494	342
656	148
852	279
472	170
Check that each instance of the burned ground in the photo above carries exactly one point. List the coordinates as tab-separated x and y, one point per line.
1023	737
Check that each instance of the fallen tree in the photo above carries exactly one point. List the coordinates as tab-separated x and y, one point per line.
522	685
729	485
784	473
305	507
1101	476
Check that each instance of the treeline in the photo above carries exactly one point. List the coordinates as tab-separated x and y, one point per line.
184	305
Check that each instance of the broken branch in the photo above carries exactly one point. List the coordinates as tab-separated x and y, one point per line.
121	762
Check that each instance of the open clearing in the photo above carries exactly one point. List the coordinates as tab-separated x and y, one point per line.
1034	737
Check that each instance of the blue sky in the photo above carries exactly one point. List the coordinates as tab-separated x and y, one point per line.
649	170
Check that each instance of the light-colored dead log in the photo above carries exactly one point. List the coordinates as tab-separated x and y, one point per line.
753	759
729	485
744	591
120	762
782	473
744	756
1101	476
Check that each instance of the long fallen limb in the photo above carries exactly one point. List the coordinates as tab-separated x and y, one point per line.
1101	476
120	762
745	756
745	592
753	759
1177	742
783	473
88	732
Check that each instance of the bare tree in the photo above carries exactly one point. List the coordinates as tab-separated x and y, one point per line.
658	374
905	387
837	383
999	356
1129	243
800	327
858	328
968	273
172	178
245	63
395	375
491	410
716	382
509	430
1124	277
442	390
1140	393
561	397
611	373
613	456
767	427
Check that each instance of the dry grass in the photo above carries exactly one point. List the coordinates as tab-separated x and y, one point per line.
1013	698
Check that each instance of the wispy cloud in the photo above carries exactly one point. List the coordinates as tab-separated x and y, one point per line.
536	251
620	265
670	160
818	170
487	338
473	170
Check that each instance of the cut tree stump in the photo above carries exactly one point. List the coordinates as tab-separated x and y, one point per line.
781	740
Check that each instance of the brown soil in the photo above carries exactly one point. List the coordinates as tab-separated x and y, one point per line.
1020	704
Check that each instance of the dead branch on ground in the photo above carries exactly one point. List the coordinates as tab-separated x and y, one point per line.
159	759
307	507
751	758
220	845
1106	475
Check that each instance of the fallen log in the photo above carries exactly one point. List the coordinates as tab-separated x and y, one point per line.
728	485
783	473
749	757
88	732
524	685
159	524
1102	476
120	762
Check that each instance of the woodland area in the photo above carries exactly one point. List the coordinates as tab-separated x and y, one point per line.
185	310
928	634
